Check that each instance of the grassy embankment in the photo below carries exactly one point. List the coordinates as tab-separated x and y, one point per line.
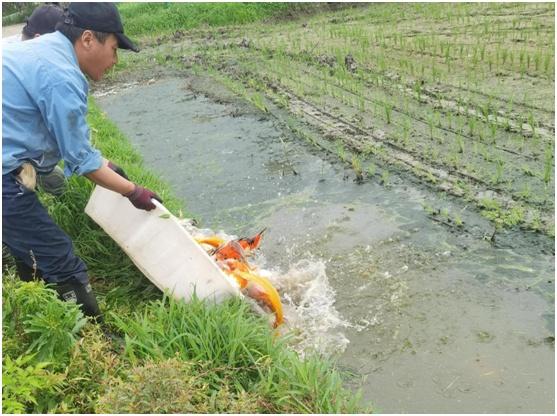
174	357
461	98
16	12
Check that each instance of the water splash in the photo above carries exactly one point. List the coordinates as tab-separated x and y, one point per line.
311	321
310	313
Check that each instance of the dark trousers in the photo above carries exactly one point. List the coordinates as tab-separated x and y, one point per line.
40	247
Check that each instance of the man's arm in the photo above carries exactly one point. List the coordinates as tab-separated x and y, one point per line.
109	179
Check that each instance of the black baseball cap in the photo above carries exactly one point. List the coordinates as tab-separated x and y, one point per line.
100	17
43	20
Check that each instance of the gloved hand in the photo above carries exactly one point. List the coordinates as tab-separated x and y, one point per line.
140	197
118	170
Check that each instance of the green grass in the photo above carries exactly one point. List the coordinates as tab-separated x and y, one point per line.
160	18
16	12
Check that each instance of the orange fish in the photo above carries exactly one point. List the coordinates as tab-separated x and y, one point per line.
251	243
233	265
231	258
230	250
261	289
214	240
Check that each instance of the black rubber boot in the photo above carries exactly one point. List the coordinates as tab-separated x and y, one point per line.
26	273
72	290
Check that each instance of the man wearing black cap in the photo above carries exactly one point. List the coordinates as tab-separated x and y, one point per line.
43	20
44	108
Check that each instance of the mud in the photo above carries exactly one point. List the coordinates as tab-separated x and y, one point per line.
429	317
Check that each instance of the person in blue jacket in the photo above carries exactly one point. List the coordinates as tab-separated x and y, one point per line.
44	108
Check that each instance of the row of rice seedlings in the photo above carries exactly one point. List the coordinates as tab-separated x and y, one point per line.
481	52
339	53
453	158
477	53
490	132
432	122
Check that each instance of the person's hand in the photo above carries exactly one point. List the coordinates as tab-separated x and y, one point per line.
118	170
141	197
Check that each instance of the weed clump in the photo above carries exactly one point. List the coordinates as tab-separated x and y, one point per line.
36	322
171	386
26	385
38	334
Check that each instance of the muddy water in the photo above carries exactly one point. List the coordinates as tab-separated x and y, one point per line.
427	318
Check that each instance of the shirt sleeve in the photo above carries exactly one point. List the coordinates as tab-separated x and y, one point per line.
64	110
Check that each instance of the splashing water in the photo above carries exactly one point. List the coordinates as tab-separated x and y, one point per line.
309	308
311	321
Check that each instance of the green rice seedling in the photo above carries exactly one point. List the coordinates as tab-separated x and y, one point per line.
484	150
453	159
471	125
532	122
258	100
522	69
546	63
493	130
388	111
385	177
362	104
357	166
458	220
482	134
536	222
431	124
341	151
507	124
486	109
537	60
548	165
406	132
418	90
499	171
434	153
283	101
371	170
460	143
429	209
460	125
527	170
437	116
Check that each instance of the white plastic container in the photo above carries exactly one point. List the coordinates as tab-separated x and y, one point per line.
160	247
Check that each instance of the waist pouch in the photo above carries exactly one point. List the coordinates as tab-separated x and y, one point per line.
26	176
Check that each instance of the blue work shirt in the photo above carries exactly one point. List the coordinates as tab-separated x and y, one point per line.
44	105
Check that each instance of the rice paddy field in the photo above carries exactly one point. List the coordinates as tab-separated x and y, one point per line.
461	97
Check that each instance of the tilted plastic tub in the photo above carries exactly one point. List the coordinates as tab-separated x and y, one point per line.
160	247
